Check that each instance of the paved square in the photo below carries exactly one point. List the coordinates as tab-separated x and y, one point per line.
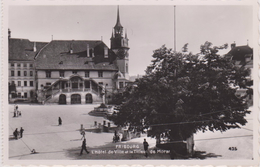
51	141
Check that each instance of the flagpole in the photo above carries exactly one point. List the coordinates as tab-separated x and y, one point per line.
174	29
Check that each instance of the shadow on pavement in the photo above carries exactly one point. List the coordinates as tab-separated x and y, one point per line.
204	155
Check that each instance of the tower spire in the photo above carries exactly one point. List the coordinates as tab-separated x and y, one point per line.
118	24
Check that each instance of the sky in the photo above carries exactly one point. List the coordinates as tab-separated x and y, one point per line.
148	27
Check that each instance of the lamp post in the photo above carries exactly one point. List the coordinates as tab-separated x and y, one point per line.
106	93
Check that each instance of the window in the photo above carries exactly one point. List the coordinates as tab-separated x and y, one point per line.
12	73
31	73
25	73
100	83
25	65
25	83
74	72
19	94
18	65
106	52
126	68
19	73
121	85
19	83
87	74
31	83
25	94
100	74
48	83
13	83
48	74
12	64
31	65
61	73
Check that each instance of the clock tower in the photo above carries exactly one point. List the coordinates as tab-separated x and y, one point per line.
119	44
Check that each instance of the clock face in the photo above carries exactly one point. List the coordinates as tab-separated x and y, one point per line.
121	53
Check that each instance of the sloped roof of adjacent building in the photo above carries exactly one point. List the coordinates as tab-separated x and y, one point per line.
22	49
56	55
239	53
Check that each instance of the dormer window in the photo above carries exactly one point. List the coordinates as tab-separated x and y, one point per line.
61	62
105	52
86	62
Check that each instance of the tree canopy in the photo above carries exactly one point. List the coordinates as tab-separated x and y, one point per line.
183	93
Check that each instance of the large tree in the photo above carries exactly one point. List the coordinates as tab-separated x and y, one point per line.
183	93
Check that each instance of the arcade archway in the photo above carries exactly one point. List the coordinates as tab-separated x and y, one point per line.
75	99
62	99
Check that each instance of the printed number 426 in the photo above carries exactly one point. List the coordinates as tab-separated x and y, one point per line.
232	148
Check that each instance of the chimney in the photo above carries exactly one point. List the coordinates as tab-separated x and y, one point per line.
71	50
9	33
87	50
34	47
233	45
93	55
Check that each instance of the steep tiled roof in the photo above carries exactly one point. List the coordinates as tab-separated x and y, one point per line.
56	55
22	49
239	53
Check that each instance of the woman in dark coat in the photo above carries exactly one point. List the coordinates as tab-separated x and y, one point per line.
60	121
16	133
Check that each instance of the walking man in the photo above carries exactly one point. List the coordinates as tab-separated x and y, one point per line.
60	121
83	134
84	147
21	132
145	147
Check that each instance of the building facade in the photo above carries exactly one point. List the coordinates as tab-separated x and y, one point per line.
71	71
242	56
21	68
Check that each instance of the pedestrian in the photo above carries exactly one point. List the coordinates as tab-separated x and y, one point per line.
145	147
84	147
20	113
16	107
15	133
60	121
14	113
21	132
83	134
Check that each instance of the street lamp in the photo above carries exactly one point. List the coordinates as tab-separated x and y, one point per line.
106	93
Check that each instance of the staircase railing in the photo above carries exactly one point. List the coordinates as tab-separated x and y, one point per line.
54	92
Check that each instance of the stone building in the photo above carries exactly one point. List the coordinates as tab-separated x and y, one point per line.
79	71
21	67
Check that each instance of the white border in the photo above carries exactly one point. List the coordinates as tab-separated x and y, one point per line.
4	83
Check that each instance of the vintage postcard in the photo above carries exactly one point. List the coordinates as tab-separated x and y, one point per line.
129	82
